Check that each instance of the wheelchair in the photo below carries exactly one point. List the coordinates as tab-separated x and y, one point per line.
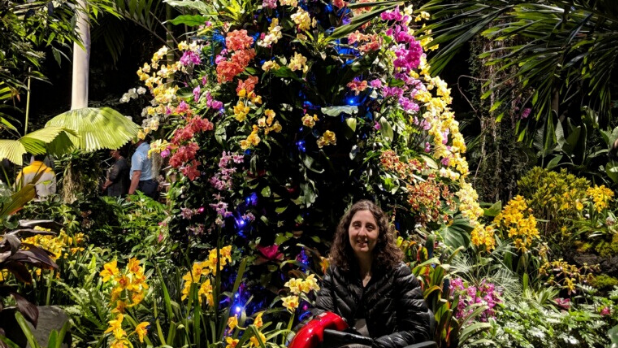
328	330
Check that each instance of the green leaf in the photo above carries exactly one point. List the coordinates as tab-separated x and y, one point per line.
26	330
613	336
338	110
350	128
457	233
554	162
266	191
308	162
56	139
96	129
494	210
189	4
8	342
351	123
469	330
190	20
611	168
386	130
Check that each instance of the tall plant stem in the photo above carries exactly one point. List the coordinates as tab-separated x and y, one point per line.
28	102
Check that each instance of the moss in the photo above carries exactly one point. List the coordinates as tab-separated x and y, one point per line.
614	244
604	281
604	249
583	247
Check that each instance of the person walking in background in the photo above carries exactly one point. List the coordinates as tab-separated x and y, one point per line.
117	183
45	184
141	171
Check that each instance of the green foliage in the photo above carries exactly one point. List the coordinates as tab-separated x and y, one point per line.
140	227
557	55
96	129
435	273
526	323
554	197
53	140
27	28
603	282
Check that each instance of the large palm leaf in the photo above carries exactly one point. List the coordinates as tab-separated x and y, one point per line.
558	54
54	140
96	129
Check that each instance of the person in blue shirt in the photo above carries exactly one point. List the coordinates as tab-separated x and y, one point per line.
141	171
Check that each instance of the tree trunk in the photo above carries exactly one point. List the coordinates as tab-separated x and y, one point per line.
81	59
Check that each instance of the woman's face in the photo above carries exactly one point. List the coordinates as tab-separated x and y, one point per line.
363	233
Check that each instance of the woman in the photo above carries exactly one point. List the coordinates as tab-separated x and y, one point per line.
369	286
117	182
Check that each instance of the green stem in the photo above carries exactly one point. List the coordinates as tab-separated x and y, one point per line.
27	102
49	281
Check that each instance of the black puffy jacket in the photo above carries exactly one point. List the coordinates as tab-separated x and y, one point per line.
391	303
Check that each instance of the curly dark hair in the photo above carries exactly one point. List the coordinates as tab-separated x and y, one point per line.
386	253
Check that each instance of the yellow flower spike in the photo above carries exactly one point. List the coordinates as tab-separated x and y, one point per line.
136	299
133	265
311	283
258	322
271	64
120	307
262	122
254	342
290	303
116	292
141	330
232	322
242	93
231	342
123	281
276	127
119	344
294	285
185	290
115	327
206	290
110	269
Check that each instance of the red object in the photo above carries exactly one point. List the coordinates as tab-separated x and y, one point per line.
312	334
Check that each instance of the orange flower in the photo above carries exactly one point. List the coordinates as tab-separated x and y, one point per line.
238	40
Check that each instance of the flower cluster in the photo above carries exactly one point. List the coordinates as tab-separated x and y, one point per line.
128	290
407	171
59	246
297	287
485	293
561	274
237	44
601	197
254	341
483	236
517	219
206	269
430	200
282	92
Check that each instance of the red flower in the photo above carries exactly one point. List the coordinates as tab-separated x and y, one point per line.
270	252
248	85
191	171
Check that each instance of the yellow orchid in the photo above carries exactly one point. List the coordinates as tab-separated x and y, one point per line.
232	322
141	330
110	269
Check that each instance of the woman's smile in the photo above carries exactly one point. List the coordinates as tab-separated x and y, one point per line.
363	233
